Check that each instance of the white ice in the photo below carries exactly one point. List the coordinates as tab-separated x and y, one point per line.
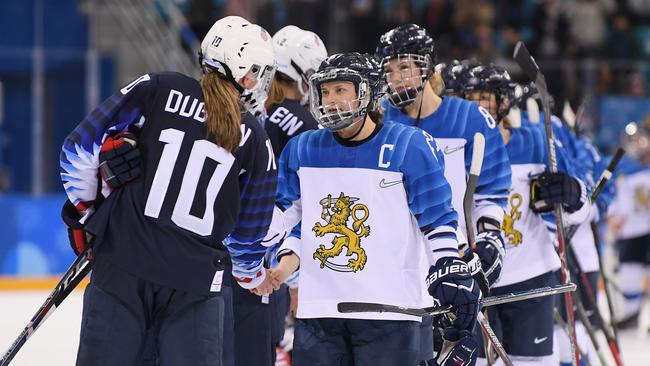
56	341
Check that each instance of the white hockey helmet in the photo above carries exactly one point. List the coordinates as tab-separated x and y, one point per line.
235	48
299	53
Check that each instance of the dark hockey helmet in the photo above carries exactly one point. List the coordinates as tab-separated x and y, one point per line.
404	45
495	79
363	72
455	74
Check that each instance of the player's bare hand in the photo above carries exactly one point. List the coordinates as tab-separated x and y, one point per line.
264	288
277	278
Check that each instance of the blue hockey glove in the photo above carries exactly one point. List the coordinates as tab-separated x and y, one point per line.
491	250
464	349
450	282
119	159
548	189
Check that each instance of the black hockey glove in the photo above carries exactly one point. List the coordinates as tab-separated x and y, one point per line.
491	250
119	159
450	282
548	189
463	350
79	238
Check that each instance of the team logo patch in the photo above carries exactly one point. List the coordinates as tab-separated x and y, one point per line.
641	199
508	224
336	213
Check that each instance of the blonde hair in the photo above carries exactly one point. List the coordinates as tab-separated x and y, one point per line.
223	116
436	82
276	94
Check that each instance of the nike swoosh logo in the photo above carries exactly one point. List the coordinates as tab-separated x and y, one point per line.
448	150
384	184
539	340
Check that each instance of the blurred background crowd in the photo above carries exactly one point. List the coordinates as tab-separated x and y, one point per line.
59	59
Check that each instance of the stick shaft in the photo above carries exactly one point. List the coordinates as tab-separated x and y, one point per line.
77	271
363	307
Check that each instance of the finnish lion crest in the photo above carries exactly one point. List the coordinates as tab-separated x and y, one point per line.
336	213
508	225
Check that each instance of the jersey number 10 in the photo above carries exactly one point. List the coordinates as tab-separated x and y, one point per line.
201	150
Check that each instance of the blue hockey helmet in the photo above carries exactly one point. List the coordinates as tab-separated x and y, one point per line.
398	49
455	74
495	79
363	72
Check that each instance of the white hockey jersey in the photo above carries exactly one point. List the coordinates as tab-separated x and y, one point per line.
530	249
372	215
631	204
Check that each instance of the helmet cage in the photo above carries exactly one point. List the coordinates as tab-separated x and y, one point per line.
304	76
253	99
341	114
410	81
483	79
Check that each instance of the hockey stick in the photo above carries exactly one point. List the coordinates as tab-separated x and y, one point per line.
612	339
565	328
468	205
606	284
369	307
591	297
489	333
77	271
582	314
530	68
604	178
489	336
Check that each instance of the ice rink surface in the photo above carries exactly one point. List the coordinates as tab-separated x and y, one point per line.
55	342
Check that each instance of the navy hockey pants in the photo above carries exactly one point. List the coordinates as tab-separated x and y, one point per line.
129	321
525	328
355	342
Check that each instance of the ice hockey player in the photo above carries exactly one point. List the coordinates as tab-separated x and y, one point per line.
207	177
408	57
629	221
374	206
531	260
260	321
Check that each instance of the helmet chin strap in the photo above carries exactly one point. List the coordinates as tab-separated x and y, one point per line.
363	123
417	120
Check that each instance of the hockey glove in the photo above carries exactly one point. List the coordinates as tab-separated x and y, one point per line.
79	238
548	189
450	282
491	250
462	351
119	159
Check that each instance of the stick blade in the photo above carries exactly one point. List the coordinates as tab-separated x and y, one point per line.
525	61
367	307
477	154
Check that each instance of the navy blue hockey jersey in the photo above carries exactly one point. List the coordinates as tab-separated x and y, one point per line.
170	225
287	120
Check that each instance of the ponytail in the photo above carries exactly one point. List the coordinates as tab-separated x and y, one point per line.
436	82
223	116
